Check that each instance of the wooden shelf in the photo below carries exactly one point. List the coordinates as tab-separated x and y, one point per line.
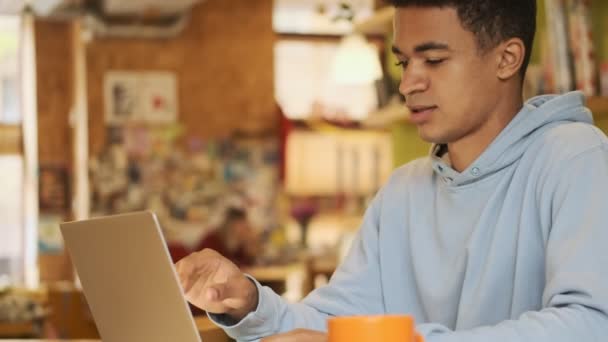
598	104
11	330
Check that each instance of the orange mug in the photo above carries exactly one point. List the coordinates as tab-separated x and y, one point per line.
389	328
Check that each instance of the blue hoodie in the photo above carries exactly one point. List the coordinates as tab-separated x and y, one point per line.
513	249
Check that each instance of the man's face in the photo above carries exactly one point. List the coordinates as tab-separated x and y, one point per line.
450	87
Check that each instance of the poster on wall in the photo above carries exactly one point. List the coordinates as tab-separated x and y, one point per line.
50	240
148	97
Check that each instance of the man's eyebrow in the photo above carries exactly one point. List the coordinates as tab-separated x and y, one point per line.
431	46
396	50
423	47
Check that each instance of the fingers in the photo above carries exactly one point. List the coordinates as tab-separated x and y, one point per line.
212	283
199	293
228	291
196	266
185	273
212	297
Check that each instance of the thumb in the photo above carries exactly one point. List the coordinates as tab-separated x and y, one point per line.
232	293
235	303
219	292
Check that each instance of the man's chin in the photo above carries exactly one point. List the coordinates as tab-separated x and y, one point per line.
431	138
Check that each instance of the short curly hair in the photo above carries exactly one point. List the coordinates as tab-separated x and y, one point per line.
491	21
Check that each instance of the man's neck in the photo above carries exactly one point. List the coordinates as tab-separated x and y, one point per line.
465	151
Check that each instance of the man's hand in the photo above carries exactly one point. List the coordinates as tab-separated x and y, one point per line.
298	335
214	284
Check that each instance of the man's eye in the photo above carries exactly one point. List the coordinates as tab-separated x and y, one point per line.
435	61
402	64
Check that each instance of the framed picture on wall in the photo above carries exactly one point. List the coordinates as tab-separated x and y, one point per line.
149	97
53	188
121	97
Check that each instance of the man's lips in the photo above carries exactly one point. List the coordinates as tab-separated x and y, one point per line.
421	114
417	109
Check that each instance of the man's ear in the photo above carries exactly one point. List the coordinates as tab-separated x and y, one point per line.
510	58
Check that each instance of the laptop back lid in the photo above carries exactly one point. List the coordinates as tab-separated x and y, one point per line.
129	280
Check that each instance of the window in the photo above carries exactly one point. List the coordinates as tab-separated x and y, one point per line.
18	180
11	225
9	70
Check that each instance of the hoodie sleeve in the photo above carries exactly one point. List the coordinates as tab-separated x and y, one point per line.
575	298
354	288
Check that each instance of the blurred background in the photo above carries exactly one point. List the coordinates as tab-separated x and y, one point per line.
259	128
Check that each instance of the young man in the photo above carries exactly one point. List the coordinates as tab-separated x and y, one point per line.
500	235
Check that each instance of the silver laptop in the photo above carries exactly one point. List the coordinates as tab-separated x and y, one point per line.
129	280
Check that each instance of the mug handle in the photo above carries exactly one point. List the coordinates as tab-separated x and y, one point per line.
418	337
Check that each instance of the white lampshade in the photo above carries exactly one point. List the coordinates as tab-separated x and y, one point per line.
356	62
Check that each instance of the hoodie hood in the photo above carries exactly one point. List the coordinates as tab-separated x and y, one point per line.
537	114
